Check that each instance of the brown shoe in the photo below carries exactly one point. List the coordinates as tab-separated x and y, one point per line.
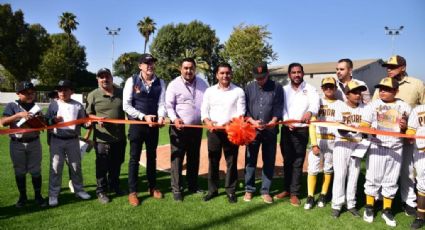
133	200
155	193
267	198
282	195
295	201
248	196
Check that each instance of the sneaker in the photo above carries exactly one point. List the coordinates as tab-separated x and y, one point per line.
82	195
354	212
295	201
417	224
321	202
368	214
336	213
309	203
409	210
248	196
155	193
71	186
232	198
209	196
133	200
21	201
267	198
53	201
389	218
282	195
102	198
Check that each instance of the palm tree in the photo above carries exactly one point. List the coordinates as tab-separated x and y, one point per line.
68	23
146	28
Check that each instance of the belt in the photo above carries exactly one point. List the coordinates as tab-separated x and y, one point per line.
64	138
325	136
24	140
421	149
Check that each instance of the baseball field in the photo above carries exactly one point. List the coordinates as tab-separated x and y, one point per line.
192	213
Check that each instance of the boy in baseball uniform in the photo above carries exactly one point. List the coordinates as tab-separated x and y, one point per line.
64	142
322	140
416	126
25	148
346	166
383	164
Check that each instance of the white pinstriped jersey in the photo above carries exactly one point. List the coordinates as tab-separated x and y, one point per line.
327	113
349	116
386	116
417	123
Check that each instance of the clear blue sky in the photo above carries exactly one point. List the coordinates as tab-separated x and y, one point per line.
305	31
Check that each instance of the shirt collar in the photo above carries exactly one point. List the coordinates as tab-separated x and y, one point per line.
227	89
187	82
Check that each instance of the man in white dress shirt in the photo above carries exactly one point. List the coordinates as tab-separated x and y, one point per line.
301	101
221	103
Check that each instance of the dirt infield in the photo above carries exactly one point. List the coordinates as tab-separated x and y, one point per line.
163	161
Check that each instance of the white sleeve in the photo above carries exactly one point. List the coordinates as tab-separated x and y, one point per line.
314	101
205	107
161	103
413	120
369	113
170	102
241	103
127	98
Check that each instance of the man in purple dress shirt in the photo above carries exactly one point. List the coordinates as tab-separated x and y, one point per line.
183	100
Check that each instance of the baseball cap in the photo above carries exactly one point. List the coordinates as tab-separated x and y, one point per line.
328	80
64	84
24	85
146	58
352	85
388	82
260	70
395	60
103	71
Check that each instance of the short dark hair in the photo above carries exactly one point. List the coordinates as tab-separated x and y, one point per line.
222	64
189	59
348	61
292	65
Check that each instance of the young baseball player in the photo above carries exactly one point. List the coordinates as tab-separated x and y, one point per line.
384	155
25	148
416	126
64	142
346	166
322	141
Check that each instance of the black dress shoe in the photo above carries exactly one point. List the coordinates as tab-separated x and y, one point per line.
232	198
178	196
209	196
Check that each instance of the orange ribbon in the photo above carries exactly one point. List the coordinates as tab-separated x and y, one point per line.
239	131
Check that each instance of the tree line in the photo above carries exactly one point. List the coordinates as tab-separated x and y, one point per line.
28	51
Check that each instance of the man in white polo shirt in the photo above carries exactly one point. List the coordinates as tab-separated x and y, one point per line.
301	101
221	103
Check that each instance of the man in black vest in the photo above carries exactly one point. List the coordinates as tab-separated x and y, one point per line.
144	99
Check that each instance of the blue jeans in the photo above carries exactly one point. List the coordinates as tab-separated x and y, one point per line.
267	139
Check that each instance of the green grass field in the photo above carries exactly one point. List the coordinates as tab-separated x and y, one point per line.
193	213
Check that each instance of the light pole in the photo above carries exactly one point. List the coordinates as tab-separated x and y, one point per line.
393	32
113	33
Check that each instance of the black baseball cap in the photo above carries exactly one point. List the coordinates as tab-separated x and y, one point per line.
103	71
147	58
260	70
24	85
64	84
